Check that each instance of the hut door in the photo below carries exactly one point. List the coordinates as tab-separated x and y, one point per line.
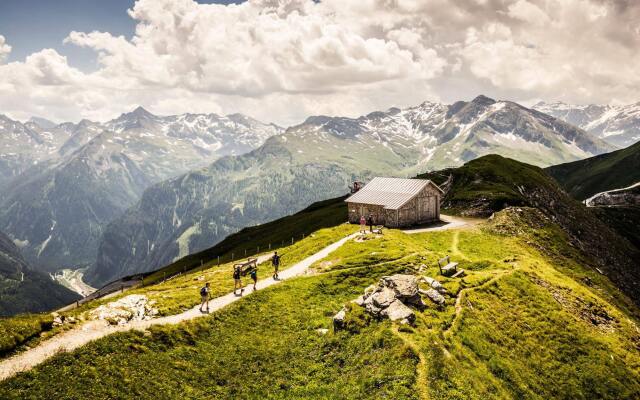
427	207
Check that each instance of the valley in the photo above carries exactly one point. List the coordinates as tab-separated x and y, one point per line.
72	279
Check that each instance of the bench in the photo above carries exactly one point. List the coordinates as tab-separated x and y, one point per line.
247	266
378	229
447	267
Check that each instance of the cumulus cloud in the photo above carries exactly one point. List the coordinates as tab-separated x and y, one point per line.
281	60
5	49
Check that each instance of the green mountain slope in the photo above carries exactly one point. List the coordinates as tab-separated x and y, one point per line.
490	183
584	178
271	235
23	289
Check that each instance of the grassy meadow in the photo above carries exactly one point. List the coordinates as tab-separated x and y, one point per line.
529	320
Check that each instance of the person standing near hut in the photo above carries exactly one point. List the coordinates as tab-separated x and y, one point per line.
370	221
363	224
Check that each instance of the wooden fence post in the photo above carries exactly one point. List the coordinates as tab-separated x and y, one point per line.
218	261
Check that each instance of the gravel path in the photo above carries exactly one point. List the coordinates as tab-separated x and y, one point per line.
448	222
93	330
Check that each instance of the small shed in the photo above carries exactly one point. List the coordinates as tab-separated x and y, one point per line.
396	202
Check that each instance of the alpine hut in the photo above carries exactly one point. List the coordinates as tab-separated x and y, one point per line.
396	202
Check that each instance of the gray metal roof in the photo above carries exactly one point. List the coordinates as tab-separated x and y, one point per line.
392	193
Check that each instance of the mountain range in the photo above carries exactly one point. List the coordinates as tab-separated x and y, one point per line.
617	125
318	159
67	182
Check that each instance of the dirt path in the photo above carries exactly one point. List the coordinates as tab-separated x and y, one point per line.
422	380
93	330
447	222
462	296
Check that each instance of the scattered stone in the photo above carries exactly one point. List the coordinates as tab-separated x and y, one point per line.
434	296
58	320
199	278
422	268
434	284
135	307
322	331
338	320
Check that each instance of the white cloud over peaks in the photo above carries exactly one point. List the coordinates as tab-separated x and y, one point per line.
282	60
5	49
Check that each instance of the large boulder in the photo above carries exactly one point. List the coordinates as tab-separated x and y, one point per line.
404	286
397	311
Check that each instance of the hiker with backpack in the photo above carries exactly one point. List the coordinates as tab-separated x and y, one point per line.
237	280
370	222
275	261
205	292
254	276
363	225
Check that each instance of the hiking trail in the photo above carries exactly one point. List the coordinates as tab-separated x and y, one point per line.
94	330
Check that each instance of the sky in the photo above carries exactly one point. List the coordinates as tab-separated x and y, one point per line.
283	60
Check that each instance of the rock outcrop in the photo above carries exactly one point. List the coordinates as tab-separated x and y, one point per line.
135	307
390	298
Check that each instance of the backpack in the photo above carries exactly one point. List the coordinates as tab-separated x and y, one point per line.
204	291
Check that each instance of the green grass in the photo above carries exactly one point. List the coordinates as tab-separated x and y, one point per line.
17	330
529	320
182	293
175	295
265	346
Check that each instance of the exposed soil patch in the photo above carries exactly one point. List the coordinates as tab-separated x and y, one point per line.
588	311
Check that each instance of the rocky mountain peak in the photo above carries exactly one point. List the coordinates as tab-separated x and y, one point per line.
483	100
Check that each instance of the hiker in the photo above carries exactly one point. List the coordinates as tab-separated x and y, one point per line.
363	224
275	260
204	296
254	276
237	280
370	221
